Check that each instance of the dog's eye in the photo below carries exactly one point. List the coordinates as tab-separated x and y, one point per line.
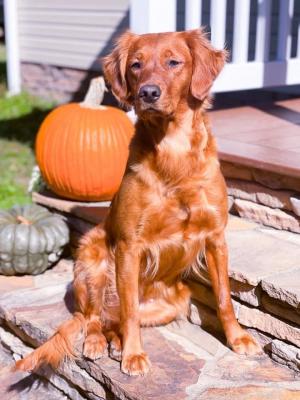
173	63
136	65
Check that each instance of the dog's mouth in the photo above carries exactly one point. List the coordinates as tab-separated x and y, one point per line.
150	109
158	109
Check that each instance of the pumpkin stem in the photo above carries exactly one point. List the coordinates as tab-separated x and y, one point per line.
95	93
23	220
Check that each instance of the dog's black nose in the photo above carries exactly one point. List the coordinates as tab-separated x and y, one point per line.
150	93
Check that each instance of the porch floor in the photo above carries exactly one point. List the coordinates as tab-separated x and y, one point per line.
263	136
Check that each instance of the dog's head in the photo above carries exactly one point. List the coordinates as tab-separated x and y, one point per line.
157	72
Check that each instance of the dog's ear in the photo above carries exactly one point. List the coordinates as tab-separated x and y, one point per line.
207	63
114	67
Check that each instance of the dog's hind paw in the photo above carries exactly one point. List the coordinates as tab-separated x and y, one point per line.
115	351
94	346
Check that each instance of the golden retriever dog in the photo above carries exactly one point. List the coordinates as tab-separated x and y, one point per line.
171	206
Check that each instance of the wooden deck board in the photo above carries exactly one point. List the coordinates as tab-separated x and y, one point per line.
266	137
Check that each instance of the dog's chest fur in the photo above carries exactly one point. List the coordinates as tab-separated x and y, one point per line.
179	213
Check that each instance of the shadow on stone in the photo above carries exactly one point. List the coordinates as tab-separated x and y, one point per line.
69	298
26	384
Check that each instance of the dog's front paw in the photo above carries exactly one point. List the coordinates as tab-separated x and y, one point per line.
244	343
135	364
94	346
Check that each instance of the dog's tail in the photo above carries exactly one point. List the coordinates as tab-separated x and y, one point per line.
60	346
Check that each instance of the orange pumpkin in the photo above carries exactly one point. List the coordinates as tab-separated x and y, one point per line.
82	148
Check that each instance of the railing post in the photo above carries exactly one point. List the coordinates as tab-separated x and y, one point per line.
298	42
152	16
218	22
263	30
12	47
285	36
241	31
193	10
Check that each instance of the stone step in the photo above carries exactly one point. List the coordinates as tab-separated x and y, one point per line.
92	212
255	253
187	362
38	320
74	382
259	259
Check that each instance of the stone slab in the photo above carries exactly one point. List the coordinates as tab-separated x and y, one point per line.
240	224
11	283
235	377
281	235
69	378
260	194
20	386
268	216
263	339
61	272
249	392
295	201
172	370
269	179
93	212
254	255
255	318
205	316
286	354
243	291
194	339
284	286
187	362
230	204
280	309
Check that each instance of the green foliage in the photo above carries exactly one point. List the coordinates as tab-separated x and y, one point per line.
20	118
16	162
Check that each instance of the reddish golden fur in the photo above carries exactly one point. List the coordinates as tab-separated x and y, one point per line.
171	206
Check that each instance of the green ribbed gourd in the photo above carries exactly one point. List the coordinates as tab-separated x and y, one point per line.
31	239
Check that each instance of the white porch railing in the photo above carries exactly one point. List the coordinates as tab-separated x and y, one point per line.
12	47
240	73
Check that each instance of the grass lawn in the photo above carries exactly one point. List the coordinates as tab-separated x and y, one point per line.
20	117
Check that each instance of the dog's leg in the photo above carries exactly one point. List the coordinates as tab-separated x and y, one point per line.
217	261
160	312
95	342
89	284
134	360
173	304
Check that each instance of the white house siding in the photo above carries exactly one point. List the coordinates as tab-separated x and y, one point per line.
74	33
62	41
69	33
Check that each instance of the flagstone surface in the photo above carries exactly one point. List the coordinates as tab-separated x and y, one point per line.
188	362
